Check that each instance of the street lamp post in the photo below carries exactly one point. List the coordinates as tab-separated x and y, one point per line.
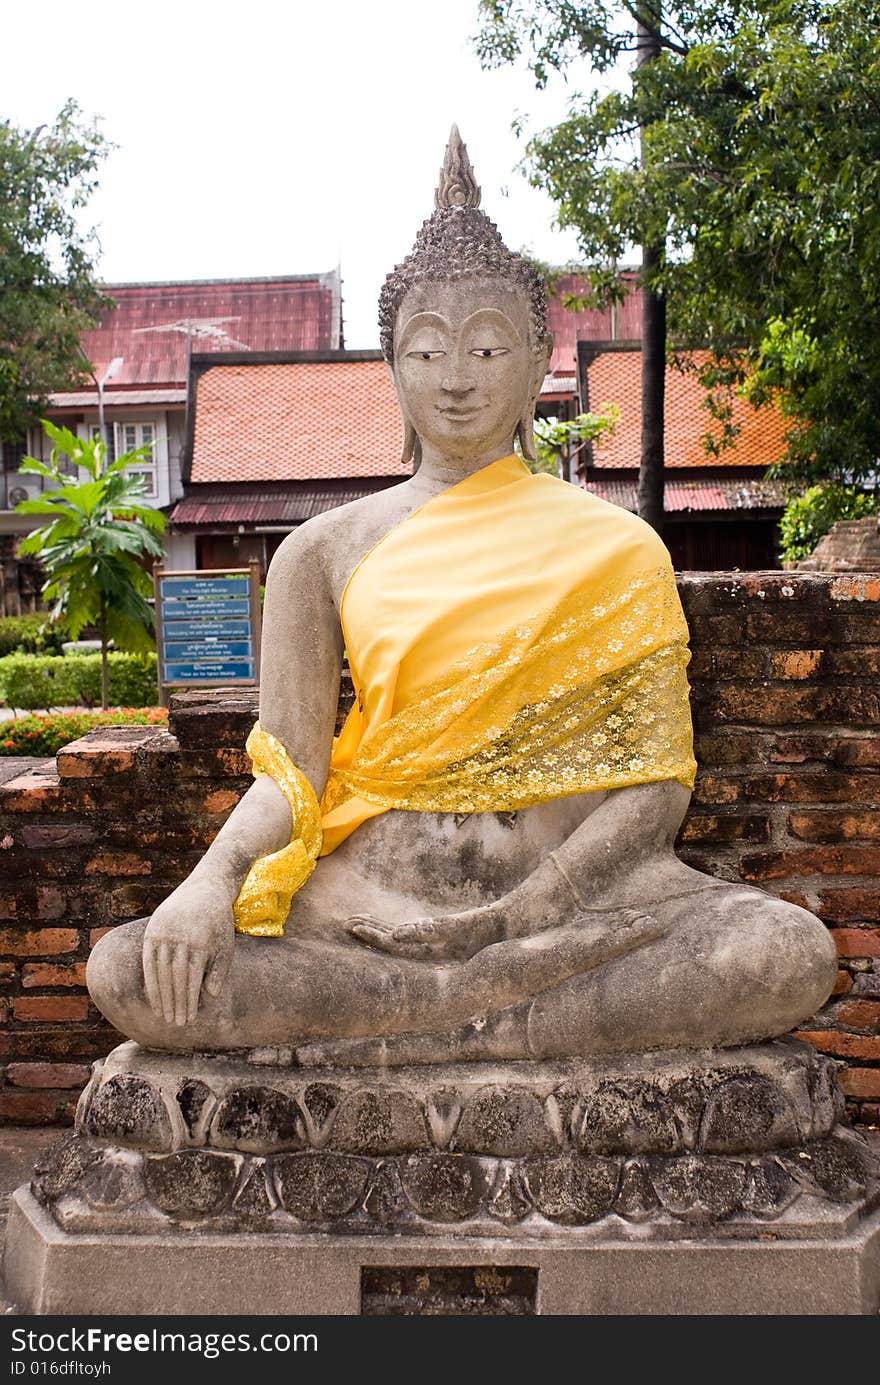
113	369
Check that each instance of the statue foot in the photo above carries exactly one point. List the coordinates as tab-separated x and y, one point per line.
458	937
451	938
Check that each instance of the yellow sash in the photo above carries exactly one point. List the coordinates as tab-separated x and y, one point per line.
515	640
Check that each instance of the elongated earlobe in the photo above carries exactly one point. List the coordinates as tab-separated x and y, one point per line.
410	445
525	432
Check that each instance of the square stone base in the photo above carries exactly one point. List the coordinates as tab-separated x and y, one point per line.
50	1271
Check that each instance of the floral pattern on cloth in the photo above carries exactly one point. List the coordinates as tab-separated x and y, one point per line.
591	696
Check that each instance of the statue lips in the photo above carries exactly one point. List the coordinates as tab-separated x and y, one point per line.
460	415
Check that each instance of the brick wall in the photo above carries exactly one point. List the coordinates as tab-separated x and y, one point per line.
786	678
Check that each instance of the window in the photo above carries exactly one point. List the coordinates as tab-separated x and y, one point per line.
125	436
132	435
109	439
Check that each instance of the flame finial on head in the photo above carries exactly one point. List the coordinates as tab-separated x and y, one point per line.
458	185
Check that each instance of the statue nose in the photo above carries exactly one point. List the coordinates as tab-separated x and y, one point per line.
457	380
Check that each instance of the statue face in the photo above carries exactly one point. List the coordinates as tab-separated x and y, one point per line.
464	369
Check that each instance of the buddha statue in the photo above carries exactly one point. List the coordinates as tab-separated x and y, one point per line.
481	864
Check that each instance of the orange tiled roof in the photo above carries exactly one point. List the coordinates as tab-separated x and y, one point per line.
296	421
614	377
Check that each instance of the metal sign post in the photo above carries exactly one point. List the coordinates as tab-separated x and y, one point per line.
208	627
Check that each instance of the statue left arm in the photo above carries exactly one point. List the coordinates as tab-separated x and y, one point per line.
629	830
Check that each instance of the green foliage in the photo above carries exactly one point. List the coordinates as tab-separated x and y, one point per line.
30	635
808	518
554	442
46	735
91	541
48	290
52	680
759	171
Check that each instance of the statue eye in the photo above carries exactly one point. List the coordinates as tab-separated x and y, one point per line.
425	355
487	352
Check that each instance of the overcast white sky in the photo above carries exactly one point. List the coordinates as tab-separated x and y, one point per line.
278	138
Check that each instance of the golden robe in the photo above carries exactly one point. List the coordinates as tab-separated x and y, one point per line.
514	640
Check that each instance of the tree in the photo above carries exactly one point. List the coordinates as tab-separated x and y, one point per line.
556	444
759	170
92	539
48	292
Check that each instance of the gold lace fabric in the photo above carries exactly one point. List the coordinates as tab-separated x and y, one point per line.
591	695
264	900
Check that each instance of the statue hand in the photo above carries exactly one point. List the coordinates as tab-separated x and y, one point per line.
449	938
189	941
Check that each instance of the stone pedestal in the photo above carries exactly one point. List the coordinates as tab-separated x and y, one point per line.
716	1182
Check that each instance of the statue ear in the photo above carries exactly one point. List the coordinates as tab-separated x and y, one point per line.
525	434
525	429
411	445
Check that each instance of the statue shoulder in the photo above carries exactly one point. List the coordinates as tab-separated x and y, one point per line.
626	527
329	544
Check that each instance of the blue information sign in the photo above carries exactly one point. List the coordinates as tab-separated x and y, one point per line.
177	588
205	629
203	671
208	627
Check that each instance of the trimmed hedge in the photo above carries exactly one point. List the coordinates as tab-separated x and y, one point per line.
50	680
46	735
30	635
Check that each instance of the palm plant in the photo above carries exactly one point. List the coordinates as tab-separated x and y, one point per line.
91	543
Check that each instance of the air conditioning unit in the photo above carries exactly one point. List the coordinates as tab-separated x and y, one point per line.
17	494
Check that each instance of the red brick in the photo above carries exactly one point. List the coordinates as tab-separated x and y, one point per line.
835	827
850	904
51	902
40	942
863	662
58	835
8	907
32	792
757	704
796	750
870	1113
795	664
96	934
860	1082
118	863
719	663
44	974
135	901
86	759
826	786
730	828
70	1042
48	1074
857	942
50	1008
859	1014
843	983
856	588
220	801
7	973
842	1045
853	751
710	788
793	897
817	860
36	1108
732	748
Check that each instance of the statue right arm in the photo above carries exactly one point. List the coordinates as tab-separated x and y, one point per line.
190	937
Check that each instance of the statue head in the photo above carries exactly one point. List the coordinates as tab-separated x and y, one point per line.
463	326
